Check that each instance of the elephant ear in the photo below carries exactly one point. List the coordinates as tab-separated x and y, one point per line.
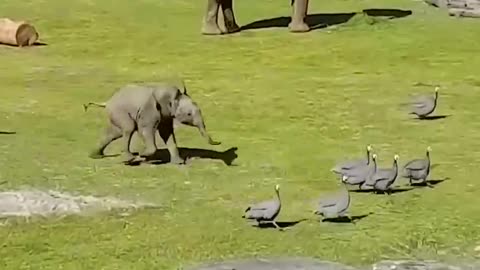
176	99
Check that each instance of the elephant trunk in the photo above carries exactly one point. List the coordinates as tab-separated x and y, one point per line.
203	132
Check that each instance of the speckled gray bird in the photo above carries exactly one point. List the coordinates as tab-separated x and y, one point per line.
423	106
359	175
336	205
265	211
348	165
369	181
418	169
385	177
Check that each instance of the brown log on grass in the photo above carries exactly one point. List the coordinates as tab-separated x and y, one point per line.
17	33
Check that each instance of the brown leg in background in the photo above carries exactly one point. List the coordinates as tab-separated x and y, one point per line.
299	12
226	17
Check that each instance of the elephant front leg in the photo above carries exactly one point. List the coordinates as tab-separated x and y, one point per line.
168	137
226	17
299	12
148	136
210	25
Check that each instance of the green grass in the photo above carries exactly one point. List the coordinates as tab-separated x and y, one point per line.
292	104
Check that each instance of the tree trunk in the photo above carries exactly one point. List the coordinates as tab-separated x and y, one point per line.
17	33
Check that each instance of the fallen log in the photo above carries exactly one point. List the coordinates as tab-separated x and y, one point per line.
17	33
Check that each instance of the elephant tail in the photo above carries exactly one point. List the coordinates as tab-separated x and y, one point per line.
85	106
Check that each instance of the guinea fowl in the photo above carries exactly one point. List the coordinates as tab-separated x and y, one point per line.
418	169
349	165
359	175
265	211
369	182
424	105
336	205
384	178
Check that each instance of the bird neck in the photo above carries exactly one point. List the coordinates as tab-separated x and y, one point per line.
278	194
395	167
368	157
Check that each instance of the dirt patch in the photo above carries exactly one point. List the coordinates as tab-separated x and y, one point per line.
28	203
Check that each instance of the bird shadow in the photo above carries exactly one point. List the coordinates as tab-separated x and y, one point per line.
433	117
346	219
322	20
391	191
7	132
429	183
36	44
281	224
162	156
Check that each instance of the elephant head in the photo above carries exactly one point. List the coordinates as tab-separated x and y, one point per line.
166	97
188	113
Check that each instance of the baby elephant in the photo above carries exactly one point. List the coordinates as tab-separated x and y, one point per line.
146	108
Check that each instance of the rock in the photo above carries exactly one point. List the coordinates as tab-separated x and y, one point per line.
313	264
275	264
414	265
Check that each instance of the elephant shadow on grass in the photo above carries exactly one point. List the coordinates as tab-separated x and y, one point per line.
322	20
162	156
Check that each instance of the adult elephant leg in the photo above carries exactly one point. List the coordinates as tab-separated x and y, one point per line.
166	133
299	12
112	133
210	25
226	17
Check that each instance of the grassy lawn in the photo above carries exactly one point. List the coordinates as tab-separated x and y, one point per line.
292	104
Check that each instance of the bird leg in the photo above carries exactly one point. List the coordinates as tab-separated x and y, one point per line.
276	226
427	183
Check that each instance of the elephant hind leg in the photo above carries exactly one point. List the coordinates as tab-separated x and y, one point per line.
127	126
112	133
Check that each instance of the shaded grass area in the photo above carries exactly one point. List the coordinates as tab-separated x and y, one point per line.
293	104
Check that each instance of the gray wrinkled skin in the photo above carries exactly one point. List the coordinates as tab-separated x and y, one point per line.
147	108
